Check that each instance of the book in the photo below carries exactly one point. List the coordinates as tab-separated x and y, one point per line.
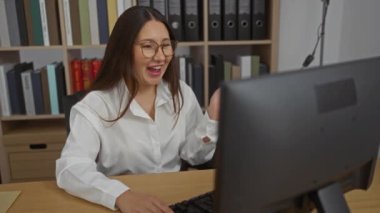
245	61
227	71
112	14
61	84
14	33
44	24
15	87
95	65
255	65
75	23
21	22
120	7
87	73
36	23
4	35
28	19
4	94
76	75
53	22
102	21
94	28
37	91
26	79
67	17
45	90
84	20
182	68
53	93
189	71
235	72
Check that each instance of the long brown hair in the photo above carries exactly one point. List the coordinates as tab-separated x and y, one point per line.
118	58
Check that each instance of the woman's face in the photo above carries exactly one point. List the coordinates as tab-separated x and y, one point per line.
152	53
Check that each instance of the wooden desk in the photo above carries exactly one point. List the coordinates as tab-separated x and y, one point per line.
45	196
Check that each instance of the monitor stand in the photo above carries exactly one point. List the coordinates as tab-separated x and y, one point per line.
330	199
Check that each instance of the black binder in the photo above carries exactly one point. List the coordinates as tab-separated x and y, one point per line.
229	19
244	20
214	20
160	5
175	18
192	12
259	22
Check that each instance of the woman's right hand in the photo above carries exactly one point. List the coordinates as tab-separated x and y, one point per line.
130	202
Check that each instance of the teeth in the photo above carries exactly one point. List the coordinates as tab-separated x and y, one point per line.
157	67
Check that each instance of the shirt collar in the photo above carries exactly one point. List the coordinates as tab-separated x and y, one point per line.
163	98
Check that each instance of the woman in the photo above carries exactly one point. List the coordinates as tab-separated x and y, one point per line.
137	118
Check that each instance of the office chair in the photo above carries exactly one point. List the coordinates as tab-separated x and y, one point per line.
70	100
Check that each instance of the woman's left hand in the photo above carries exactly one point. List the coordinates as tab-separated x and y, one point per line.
214	106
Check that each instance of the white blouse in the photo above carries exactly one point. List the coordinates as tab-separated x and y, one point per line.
134	144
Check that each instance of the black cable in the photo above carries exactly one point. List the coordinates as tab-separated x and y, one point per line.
310	57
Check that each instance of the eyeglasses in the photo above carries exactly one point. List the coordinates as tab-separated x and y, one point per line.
149	48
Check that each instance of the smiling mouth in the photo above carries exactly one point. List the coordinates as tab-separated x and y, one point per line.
154	70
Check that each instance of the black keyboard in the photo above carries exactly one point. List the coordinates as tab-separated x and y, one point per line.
199	204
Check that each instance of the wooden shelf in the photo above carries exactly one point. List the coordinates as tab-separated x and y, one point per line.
19	131
31	117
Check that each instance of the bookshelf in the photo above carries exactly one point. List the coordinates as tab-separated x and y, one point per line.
30	144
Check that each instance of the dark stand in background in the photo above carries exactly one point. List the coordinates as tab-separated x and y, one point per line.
321	36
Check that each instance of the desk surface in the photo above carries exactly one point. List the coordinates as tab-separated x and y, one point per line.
45	196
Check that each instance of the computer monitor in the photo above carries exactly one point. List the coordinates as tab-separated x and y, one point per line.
293	139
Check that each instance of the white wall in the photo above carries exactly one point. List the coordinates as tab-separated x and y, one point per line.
352	31
360	35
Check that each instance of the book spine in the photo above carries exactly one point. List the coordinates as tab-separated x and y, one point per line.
96	63
127	4
87	73
66	13
84	20
4	35
37	92
36	22
120	7
28	92
52	22
14	34
75	22
4	94
45	90
77	75
53	93
22	22
112	14
28	19
94	28
102	21
61	85
44	23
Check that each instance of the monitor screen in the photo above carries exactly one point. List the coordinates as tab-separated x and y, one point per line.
293	139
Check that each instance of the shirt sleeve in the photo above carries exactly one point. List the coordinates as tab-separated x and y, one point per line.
76	169
201	133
